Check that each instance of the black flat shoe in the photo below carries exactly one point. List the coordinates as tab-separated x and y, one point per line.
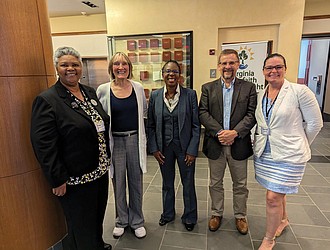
189	226
107	246
163	222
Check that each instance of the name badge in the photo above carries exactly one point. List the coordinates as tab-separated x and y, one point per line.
99	126
265	131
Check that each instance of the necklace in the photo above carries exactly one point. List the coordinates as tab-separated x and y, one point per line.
170	96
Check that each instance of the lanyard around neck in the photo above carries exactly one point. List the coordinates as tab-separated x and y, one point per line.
271	104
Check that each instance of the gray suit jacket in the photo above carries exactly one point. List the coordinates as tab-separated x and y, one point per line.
242	118
189	126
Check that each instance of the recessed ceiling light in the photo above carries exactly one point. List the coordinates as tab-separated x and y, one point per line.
90	4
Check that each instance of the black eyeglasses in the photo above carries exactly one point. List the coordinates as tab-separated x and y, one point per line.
174	71
231	63
270	68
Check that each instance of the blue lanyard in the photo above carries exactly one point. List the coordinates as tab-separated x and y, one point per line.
271	104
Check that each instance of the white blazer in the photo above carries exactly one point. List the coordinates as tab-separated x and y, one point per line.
103	93
296	120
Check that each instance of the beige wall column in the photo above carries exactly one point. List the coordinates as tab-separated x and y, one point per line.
31	217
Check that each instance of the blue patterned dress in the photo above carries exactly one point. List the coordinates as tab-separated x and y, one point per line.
280	177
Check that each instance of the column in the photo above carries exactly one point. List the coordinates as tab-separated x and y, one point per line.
30	216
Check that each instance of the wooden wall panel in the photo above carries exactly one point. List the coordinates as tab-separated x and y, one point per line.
46	37
38	224
51	80
16	155
31	217
20	34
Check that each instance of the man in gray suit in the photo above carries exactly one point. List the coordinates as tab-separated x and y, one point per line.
226	110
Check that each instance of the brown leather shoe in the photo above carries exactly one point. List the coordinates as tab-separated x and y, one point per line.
214	223
242	225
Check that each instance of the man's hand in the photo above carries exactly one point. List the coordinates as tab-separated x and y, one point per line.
227	137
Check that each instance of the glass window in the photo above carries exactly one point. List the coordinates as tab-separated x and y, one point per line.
148	53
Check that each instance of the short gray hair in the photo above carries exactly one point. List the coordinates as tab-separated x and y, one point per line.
63	51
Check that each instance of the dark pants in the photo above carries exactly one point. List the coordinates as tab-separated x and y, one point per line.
84	208
187	174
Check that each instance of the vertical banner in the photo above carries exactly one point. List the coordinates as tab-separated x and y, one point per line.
251	57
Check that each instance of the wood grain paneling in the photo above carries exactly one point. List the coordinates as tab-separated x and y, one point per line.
46	37
51	80
16	155
31	217
316	17
78	33
21	42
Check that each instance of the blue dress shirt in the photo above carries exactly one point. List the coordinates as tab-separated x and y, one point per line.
227	94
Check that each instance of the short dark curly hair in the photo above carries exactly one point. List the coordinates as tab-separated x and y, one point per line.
171	61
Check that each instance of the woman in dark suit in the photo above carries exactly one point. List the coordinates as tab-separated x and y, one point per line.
173	135
69	134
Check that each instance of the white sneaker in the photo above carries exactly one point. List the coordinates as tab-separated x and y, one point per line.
140	232
117	232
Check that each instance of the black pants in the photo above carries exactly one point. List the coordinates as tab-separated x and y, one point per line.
174	153
84	208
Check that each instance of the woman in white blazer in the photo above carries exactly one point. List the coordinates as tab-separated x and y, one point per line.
288	120
125	102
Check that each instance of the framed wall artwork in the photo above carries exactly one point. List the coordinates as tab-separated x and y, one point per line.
149	52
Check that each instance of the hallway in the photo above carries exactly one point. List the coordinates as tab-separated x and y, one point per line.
309	211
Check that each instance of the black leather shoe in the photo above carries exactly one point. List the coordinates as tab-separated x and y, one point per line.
189	226
107	246
163	222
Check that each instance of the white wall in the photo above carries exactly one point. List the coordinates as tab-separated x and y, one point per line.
318	62
74	24
94	45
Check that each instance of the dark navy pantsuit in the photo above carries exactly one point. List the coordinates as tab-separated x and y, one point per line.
173	153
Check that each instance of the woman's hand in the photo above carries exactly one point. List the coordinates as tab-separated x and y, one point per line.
189	159
60	191
159	157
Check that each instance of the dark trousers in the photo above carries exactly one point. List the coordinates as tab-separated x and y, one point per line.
84	208
173	152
